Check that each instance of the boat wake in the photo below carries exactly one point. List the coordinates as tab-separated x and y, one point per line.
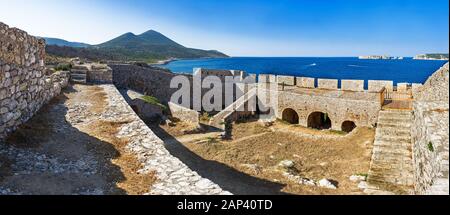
310	65
358	66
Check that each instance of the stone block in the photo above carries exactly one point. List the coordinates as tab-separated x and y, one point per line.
329	84
306	82
286	80
377	86
402	87
352	85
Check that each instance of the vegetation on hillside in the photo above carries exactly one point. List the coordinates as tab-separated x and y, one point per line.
148	47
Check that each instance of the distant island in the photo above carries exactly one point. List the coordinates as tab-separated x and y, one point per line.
431	57
379	57
149	47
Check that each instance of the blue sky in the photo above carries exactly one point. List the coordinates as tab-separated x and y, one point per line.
248	27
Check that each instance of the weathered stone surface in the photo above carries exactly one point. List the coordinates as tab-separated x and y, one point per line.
184	114
430	135
377	86
306	82
23	89
353	85
174	177
329	84
287	80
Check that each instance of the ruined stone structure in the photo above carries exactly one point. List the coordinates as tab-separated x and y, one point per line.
411	146
430	135
91	72
24	87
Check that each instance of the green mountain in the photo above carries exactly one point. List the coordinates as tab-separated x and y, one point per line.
60	42
150	46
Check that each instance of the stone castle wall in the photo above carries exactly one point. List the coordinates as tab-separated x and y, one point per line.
363	112
152	81
333	84
24	87
430	135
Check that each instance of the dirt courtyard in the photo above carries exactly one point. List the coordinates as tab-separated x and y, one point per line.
67	148
257	150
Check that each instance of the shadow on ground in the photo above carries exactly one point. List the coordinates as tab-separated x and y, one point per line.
226	177
69	156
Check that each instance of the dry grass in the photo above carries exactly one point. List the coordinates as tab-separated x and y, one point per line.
241	130
179	129
133	183
316	158
97	99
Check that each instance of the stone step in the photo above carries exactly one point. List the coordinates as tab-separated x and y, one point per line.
78	71
393	139
382	120
390	113
78	76
394	125
404	144
394	131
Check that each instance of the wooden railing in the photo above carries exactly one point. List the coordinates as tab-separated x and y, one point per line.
396	100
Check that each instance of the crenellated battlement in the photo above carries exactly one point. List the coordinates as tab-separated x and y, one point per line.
336	84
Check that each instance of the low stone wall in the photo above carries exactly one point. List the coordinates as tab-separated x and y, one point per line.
306	82
173	176
184	114
24	88
100	74
151	81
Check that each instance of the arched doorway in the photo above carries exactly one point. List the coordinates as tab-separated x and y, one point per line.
348	126
319	120
290	116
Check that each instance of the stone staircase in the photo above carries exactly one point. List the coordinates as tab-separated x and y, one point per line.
218	120
391	168
78	74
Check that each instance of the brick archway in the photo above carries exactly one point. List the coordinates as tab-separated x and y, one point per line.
319	120
290	116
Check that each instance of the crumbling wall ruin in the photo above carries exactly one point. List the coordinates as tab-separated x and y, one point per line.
430	135
24	87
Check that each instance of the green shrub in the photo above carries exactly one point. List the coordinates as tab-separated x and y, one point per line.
430	146
63	67
154	101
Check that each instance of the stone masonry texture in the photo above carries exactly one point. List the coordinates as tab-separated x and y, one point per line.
24	88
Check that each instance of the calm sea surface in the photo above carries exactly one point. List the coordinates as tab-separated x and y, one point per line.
407	70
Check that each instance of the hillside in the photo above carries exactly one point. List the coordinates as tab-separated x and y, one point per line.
61	42
150	46
432	57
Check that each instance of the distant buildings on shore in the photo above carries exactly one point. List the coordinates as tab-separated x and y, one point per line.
417	57
431	57
379	57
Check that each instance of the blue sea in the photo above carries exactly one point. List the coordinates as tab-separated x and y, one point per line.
399	71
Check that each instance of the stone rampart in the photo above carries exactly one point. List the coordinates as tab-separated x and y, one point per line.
24	87
430	135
